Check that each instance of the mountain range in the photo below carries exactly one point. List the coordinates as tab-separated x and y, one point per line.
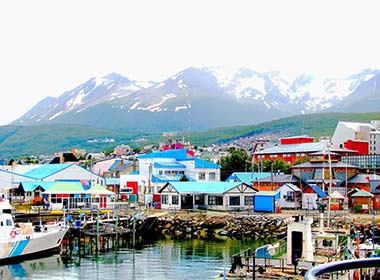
204	98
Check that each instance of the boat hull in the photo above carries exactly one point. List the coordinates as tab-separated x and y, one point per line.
30	246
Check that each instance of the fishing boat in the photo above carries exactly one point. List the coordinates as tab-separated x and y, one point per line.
25	241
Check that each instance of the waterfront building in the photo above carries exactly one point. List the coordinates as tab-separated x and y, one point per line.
231	196
72	195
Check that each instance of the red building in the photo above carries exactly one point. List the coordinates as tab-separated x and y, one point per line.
296	140
361	147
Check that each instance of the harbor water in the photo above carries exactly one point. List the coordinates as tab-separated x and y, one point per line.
163	259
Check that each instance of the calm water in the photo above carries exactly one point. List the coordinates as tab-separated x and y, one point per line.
193	259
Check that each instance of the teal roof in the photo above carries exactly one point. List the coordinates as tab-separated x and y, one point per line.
177	154
247	177
31	186
204	187
46	170
362	193
112	181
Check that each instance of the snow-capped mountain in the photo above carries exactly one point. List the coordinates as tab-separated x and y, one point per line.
202	98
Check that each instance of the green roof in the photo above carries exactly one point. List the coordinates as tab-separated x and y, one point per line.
66	187
362	193
98	189
204	187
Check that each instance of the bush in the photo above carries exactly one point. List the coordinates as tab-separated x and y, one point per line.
36	201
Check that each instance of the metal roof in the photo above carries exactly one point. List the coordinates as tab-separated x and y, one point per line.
318	190
47	170
201	163
204	187
293	148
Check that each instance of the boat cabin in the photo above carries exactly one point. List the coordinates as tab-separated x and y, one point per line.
6	226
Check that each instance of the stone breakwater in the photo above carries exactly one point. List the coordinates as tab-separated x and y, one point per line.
255	227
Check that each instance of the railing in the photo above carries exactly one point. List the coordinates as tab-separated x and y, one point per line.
322	269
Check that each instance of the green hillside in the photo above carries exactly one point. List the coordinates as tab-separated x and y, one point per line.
17	141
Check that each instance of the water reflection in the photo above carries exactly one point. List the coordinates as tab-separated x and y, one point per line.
190	259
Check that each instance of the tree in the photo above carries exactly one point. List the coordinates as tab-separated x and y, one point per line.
236	161
275	166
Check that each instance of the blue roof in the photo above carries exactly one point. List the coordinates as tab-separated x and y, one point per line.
202	163
169	165
204	187
31	186
318	190
46	170
177	154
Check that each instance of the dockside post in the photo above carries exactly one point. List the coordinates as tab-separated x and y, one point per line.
97	231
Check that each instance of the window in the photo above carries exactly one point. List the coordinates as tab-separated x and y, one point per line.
164	199
199	199
289	196
202	175
175	200
248	200
212	176
215	200
234	200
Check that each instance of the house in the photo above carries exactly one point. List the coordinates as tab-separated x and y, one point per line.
224	196
266	201
26	191
274	181
72	195
63	172
311	195
336	201
290	196
362	201
152	168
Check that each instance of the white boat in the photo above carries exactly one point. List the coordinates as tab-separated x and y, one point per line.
25	241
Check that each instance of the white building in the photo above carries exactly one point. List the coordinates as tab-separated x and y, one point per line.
369	132
158	168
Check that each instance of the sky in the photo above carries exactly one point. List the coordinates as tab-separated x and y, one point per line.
49	47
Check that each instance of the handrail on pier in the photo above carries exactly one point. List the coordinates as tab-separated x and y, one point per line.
318	270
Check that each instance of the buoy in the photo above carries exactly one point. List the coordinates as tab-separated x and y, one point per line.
13	233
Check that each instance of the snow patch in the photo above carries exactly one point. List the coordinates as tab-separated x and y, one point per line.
160	85
55	115
180	108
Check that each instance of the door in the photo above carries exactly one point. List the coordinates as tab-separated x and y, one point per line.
102	201
297	240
